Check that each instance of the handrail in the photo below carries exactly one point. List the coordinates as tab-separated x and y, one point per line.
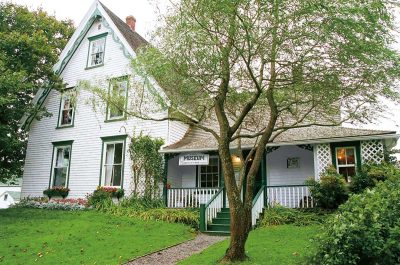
205	212
287	186
258	204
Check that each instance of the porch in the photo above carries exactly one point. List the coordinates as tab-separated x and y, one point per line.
282	174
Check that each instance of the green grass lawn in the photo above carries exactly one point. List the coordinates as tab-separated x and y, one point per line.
34	236
285	244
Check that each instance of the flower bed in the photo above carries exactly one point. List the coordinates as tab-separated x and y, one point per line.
55	204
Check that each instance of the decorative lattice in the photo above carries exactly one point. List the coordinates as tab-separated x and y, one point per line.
372	151
324	158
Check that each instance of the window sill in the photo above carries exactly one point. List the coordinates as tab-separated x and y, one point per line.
94	66
63	127
116	119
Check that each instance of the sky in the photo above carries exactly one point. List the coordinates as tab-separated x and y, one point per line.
146	13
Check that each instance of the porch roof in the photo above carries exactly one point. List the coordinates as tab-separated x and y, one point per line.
198	140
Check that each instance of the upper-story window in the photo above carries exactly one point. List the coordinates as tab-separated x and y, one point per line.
118	92
97	45
66	117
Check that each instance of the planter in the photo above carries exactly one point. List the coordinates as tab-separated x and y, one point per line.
56	192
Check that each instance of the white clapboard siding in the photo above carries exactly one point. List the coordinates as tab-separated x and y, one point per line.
89	126
279	174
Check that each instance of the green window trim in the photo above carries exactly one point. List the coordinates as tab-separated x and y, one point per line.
59	126
91	39
124	116
355	144
55	146
110	139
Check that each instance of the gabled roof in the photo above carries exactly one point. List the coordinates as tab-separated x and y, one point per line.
198	140
132	37
130	43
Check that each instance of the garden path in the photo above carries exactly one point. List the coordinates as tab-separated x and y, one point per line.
172	255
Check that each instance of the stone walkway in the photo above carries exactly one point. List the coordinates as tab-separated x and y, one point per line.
172	255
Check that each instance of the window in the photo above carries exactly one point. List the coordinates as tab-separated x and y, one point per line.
209	174
113	162
118	92
66	115
61	163
5	197
97	46
346	162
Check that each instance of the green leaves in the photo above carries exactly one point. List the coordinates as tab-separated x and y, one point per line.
30	43
365	229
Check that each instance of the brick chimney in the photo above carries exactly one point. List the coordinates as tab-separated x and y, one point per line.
131	22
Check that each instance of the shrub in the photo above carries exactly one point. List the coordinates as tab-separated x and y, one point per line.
56	191
102	196
330	191
365	231
142	203
184	216
280	215
371	174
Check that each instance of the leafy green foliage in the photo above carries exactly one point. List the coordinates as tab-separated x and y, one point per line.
366	229
146	162
30	43
371	174
279	215
330	191
141	203
188	217
102	196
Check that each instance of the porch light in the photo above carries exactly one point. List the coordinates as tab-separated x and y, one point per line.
236	159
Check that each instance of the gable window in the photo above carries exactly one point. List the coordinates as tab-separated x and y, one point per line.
346	162
5	197
97	45
209	174
66	114
113	161
61	164
118	94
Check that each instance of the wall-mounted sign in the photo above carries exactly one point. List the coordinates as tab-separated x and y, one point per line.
293	162
193	159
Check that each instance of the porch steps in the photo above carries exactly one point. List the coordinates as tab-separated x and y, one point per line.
221	224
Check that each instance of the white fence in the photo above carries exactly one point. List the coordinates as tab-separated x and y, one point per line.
290	196
189	198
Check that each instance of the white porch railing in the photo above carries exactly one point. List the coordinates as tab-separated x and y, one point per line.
258	206
292	196
189	197
214	206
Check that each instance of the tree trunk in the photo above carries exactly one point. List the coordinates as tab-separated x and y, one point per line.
240	213
240	228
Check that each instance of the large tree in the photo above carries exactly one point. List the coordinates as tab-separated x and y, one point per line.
241	70
30	43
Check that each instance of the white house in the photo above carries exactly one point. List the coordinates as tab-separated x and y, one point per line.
81	149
